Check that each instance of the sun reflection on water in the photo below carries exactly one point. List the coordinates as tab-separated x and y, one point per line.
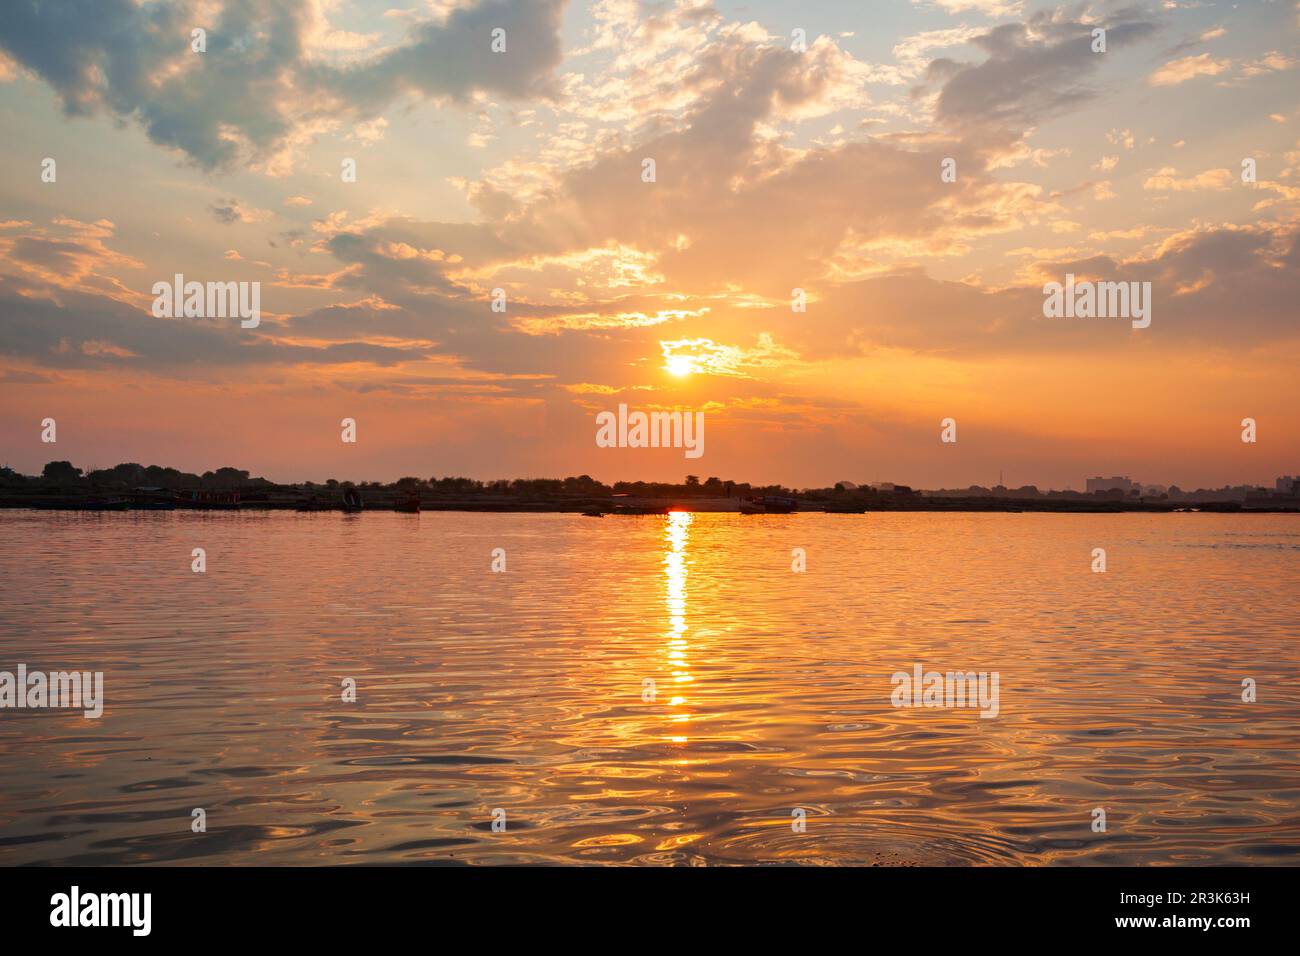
676	537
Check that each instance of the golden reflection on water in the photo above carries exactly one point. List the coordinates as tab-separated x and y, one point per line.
676	536
526	690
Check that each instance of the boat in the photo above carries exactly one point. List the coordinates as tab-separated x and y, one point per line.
639	510
593	514
212	501
152	498
104	504
768	505
352	500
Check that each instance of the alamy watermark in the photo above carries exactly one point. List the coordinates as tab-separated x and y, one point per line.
75	908
213	300
651	430
947	689
75	690
1098	300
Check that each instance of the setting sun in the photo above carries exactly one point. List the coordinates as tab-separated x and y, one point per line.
680	365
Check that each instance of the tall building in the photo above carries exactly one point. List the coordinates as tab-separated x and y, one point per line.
1110	484
1286	484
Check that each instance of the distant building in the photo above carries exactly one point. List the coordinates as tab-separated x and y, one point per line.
1286	485
1110	484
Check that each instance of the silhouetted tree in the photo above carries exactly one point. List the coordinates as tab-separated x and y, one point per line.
61	471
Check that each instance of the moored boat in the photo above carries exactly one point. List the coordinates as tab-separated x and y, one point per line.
104	504
152	498
768	505
639	510
212	501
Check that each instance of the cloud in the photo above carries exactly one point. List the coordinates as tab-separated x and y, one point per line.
70	255
1121	137
1033	70
452	59
603	271
85	330
1222	285
229	211
990	8
913	52
1188	68
258	95
1273	62
707	357
723	173
597	260
1166	180
540	325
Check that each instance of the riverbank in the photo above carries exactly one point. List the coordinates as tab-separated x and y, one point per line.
635	505
133	487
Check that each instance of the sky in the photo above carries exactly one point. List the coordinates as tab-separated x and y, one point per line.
778	166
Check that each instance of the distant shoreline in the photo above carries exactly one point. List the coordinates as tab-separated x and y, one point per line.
135	487
659	506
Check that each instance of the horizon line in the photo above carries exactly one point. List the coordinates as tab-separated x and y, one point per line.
844	485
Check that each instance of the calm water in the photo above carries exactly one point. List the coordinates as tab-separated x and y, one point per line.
523	690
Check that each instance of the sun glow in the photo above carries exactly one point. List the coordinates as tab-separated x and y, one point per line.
680	365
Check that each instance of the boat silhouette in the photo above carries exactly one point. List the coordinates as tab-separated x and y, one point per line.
768	505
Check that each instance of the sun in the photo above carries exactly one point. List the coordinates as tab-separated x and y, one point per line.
680	365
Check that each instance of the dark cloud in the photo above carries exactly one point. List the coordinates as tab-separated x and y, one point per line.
228	211
1035	70
76	329
254	88
453	59
1232	286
